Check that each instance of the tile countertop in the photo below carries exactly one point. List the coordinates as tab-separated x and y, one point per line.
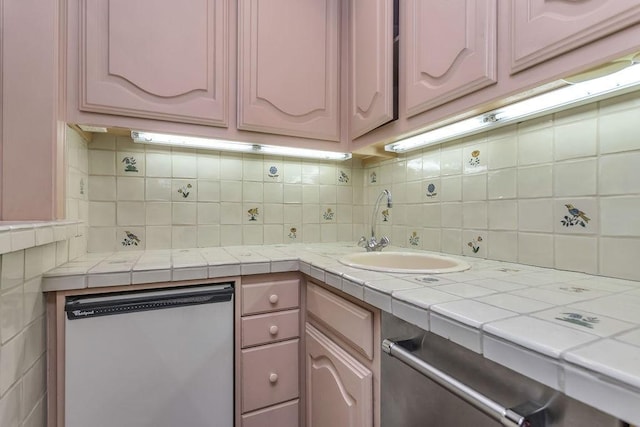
576	333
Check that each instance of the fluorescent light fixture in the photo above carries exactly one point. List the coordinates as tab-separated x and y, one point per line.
225	145
550	102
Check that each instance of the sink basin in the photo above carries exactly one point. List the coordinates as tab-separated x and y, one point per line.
404	262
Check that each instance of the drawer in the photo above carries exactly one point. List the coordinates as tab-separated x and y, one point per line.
283	415
350	321
270	327
269	374
270	296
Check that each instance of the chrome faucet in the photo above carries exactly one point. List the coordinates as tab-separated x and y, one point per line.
373	244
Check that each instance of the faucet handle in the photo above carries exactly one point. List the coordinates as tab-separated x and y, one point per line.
362	242
384	242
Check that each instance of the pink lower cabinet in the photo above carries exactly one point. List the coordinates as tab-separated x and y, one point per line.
268	380
284	414
339	388
342	360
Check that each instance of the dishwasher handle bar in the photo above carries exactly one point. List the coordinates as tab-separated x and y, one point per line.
78	309
525	415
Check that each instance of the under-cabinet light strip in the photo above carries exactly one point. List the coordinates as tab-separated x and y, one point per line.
553	101
225	145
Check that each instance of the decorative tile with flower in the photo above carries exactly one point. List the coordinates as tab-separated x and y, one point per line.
253	214
373	178
328	214
475	244
414	239
130	164
273	172
184	190
293	233
344	178
385	215
475	158
431	190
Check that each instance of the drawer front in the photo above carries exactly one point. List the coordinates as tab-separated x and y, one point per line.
350	321
270	327
270	296
269	375
283	415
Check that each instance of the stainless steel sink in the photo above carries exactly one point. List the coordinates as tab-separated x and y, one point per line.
404	262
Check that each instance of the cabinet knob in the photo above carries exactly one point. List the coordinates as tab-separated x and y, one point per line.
273	330
273	378
273	298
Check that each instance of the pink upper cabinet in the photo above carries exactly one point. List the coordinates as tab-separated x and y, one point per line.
155	59
543	29
288	67
371	54
450	50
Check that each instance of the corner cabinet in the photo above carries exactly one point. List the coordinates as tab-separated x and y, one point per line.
289	67
133	64
450	50
543	29
341	360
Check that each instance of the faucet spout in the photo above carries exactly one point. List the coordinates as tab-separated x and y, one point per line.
373	244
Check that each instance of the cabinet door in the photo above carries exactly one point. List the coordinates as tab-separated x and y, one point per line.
288	67
450	50
339	388
155	59
543	29
372	64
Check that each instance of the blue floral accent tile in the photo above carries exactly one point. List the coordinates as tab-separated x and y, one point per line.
343	177
373	177
273	172
431	190
253	214
574	217
81	186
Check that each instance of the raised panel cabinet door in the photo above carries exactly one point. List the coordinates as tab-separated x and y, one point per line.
450	50
156	59
543	29
339	388
288	67
371	43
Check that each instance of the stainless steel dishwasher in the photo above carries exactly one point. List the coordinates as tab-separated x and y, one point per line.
150	358
427	380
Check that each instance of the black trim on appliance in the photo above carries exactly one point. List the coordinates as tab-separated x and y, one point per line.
82	307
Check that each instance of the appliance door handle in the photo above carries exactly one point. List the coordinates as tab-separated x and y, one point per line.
86	307
525	415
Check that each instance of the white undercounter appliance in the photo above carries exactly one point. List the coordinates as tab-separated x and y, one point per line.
160	358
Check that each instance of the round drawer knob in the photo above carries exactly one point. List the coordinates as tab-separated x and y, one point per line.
273	378
273	299
273	330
